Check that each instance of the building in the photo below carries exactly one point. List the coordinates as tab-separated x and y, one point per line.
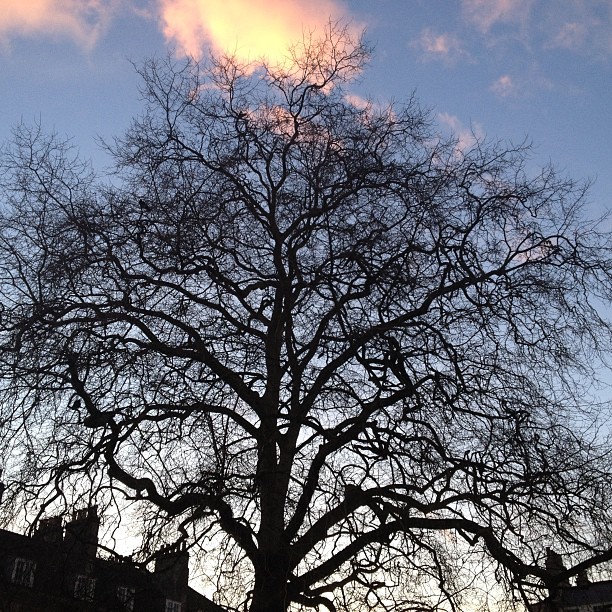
584	596
57	570
591	597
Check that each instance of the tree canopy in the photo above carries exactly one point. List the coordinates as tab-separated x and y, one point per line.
335	350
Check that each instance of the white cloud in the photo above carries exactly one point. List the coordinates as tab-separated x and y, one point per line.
583	27
444	46
487	13
357	101
570	36
525	86
504	86
466	137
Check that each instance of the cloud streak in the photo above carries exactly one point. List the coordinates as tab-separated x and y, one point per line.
580	27
80	20
248	29
487	13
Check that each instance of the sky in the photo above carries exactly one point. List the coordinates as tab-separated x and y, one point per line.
501	69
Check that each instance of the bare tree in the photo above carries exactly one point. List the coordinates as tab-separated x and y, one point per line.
338	352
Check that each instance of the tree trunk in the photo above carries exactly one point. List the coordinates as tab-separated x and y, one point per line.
270	592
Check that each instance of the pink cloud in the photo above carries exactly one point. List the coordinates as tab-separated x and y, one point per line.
81	20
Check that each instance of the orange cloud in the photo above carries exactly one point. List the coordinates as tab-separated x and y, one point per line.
248	29
81	20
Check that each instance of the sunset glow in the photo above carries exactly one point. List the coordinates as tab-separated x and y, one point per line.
248	29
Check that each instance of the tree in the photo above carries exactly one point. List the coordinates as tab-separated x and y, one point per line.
311	336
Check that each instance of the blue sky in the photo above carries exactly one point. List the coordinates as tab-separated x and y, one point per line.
508	69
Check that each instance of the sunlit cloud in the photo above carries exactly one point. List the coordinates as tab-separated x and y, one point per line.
487	13
248	29
445	46
80	20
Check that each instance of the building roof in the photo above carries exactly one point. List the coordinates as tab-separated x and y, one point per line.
589	594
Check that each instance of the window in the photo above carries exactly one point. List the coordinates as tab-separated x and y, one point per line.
173	606
23	572
125	595
84	588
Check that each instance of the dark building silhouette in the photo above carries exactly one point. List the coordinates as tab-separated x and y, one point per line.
57	570
585	596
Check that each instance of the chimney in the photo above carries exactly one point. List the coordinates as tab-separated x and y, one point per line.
582	579
554	564
81	539
50	530
172	568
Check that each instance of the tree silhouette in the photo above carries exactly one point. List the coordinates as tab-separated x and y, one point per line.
339	353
